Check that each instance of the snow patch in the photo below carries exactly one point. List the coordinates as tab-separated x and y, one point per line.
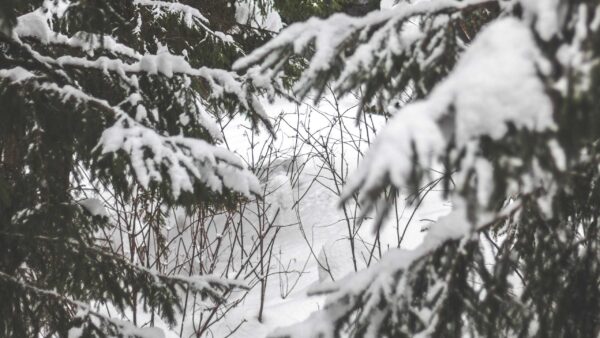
94	206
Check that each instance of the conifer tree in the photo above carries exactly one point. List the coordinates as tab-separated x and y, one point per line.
126	91
503	97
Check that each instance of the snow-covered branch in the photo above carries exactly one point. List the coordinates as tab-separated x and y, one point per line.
191	16
347	49
99	321
187	159
35	25
495	84
188	12
221	83
85	312
390	282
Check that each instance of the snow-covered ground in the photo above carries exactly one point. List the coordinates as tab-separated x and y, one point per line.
315	247
320	241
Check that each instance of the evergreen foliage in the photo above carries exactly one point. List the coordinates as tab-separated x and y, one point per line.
126	91
294	11
502	96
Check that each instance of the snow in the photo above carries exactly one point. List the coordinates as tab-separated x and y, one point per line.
220	81
191	16
373	284
485	179
558	155
16	74
187	159
390	156
189	13
595	24
494	83
203	283
571	56
35	25
56	7
247	12
273	22
545	15
94	206
387	4
145	332
166	64
452	226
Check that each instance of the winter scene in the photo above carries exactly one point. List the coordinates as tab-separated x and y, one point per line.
299	168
